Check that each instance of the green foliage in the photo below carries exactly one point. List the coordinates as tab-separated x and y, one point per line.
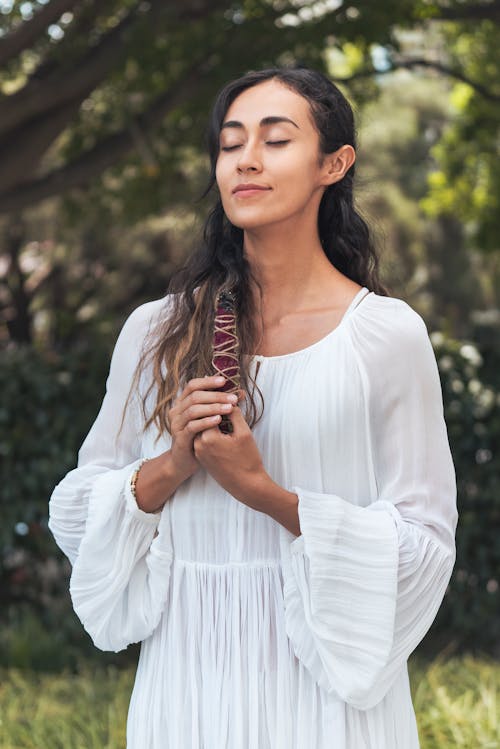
220	41
471	614
46	637
77	247
397	129
64	711
48	404
466	181
456	703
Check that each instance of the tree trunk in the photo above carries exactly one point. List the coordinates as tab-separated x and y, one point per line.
19	319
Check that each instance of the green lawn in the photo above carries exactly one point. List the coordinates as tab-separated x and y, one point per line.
456	703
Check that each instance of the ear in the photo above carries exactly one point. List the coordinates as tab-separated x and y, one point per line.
336	164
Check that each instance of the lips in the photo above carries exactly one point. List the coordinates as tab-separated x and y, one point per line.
249	187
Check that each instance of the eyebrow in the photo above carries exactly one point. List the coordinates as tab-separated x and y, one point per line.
271	120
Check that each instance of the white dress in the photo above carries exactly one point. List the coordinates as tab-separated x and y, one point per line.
253	638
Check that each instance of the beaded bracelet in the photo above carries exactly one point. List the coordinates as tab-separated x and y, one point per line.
133	478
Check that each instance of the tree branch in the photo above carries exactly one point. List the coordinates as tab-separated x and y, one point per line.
20	164
70	84
469	12
452	73
82	24
19	324
422	63
66	84
105	154
27	33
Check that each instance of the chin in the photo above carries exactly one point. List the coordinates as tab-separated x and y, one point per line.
251	225
259	220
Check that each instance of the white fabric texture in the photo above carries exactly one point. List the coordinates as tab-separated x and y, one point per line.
253	638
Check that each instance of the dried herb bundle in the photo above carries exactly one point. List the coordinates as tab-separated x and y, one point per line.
225	350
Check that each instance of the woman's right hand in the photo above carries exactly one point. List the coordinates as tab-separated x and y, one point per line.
199	407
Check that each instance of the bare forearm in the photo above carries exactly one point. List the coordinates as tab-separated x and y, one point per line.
269	497
157	481
159	478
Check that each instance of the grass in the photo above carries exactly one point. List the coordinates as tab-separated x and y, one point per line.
64	711
456	702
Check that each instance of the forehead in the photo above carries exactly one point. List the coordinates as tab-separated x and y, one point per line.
270	98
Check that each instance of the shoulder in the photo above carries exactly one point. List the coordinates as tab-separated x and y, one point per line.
389	318
390	310
133	337
149	312
388	331
144	318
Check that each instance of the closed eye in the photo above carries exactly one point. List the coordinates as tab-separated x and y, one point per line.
277	142
268	143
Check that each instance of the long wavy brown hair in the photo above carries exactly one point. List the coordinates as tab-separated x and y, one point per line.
180	346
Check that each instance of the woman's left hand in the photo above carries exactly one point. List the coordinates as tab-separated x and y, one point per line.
233	460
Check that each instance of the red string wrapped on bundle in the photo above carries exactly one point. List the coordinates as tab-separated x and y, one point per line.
225	348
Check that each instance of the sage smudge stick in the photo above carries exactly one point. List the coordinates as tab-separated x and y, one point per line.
225	348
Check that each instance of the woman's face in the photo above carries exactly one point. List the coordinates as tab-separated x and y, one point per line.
269	166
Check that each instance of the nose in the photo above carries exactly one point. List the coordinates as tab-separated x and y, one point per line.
249	159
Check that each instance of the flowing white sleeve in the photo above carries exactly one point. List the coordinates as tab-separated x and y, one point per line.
120	576
364	584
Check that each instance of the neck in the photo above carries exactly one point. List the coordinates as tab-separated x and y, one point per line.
291	267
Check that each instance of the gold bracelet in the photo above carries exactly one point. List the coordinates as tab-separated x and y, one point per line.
133	478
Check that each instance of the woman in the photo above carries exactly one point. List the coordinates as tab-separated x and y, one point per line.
278	576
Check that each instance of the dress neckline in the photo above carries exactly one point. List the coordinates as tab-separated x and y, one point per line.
355	302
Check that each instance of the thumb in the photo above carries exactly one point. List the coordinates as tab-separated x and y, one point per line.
237	418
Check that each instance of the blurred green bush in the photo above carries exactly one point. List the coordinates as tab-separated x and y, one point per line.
49	403
470	378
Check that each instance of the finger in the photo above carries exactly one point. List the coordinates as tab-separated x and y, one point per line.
199	397
195	426
203	383
238	420
207	435
237	413
202	410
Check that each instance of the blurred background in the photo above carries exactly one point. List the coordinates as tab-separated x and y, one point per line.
103	110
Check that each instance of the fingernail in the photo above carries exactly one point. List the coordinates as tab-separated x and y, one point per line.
219	379
233	398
